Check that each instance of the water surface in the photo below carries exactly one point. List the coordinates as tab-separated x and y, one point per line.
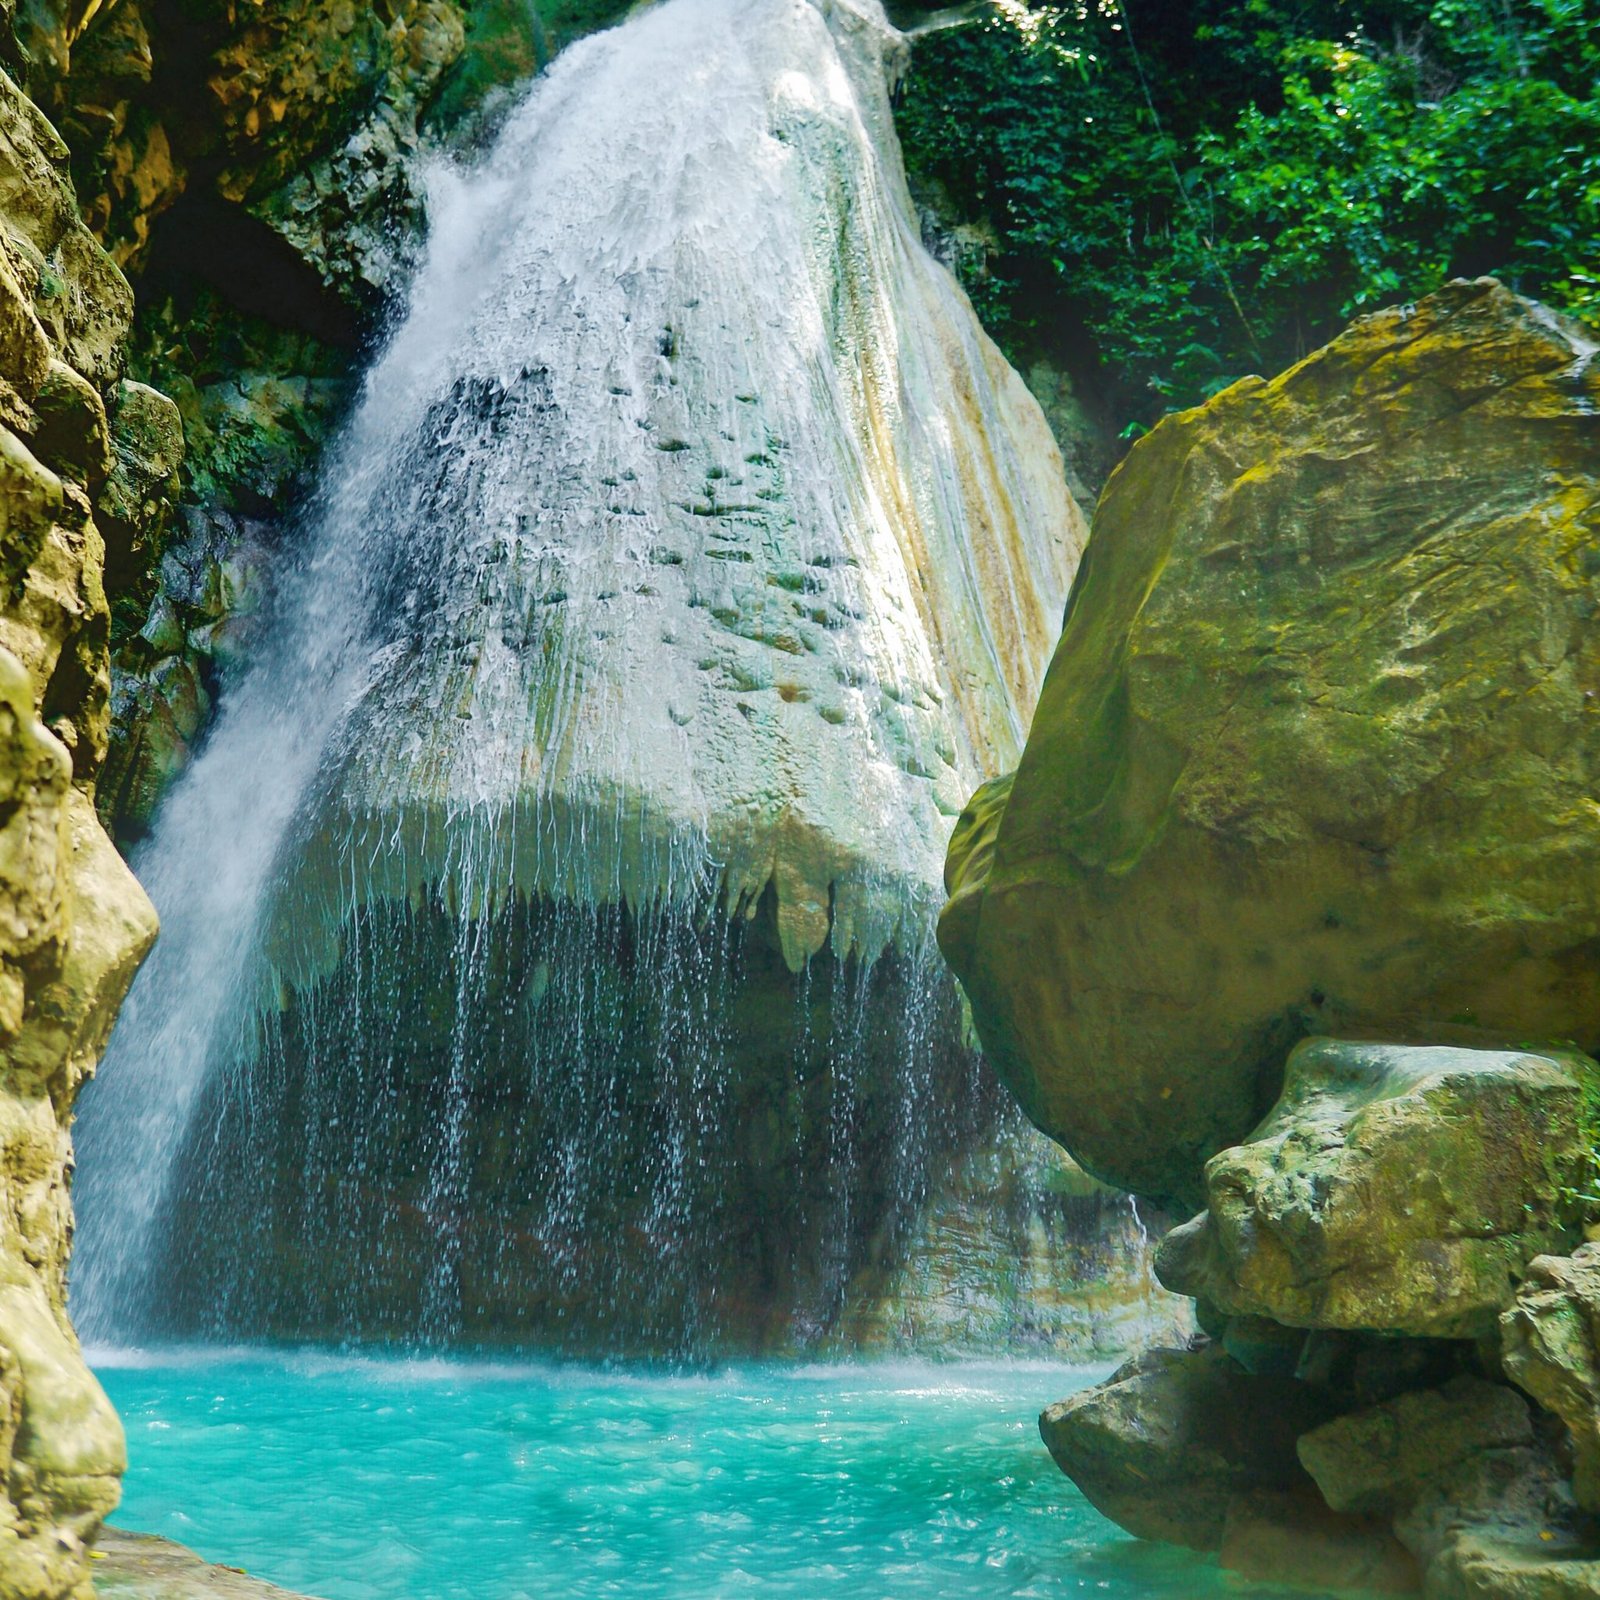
357	1479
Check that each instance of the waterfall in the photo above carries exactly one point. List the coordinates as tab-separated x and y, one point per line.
573	840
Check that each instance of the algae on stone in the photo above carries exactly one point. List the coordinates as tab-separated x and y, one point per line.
1392	1188
1166	1443
1550	1346
1315	756
1316	749
73	923
1016	1249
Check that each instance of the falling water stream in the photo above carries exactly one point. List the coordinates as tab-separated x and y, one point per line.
546	946
546	957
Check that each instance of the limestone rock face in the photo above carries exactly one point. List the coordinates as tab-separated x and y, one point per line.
297	117
1316	750
1166	1444
73	923
1397	1189
1019	1250
1550	1338
1382	1460
257	166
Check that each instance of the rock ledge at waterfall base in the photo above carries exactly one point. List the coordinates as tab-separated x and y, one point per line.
141	1566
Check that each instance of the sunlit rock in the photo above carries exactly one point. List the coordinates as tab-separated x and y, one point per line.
73	923
1397	1189
1316	751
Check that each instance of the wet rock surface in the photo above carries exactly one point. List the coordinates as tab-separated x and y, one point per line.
1168	1442
140	1566
1270	1533
1314	748
1392	1188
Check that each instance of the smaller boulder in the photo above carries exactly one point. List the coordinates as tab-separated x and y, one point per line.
1550	1346
1165	1444
1381	1461
1396	1189
1477	1565
1503	1526
1263	1348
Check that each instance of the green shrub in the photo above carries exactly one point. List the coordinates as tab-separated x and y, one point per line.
1207	188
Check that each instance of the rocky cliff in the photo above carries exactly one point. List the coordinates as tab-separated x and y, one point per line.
78	448
1316	755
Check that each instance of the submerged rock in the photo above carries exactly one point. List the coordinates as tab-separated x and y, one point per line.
1317	745
1271	1534
139	1566
1397	1189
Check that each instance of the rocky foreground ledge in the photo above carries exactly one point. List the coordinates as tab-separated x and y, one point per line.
1290	919
139	1566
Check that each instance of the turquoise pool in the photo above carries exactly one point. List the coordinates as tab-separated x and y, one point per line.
403	1480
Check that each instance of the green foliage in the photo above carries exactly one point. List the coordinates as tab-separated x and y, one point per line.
1210	188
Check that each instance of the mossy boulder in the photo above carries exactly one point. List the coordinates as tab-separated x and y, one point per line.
1395	1189
1316	750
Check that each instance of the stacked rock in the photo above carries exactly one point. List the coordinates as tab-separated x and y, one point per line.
1289	917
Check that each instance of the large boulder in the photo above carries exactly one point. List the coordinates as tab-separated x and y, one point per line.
1316	750
1392	1188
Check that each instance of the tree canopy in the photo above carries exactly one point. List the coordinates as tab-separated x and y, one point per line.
1206	188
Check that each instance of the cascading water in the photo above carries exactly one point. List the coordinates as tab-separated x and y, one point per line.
546	921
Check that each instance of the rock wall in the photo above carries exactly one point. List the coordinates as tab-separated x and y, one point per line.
80	448
252	166
1316	754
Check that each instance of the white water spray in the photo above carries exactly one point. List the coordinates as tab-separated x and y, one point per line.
690	539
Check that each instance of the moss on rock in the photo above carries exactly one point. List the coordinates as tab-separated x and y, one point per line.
73	923
1316	749
1393	1189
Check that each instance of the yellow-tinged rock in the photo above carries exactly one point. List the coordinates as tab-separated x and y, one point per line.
74	924
1317	749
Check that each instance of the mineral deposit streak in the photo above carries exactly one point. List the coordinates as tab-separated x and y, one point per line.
690	556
